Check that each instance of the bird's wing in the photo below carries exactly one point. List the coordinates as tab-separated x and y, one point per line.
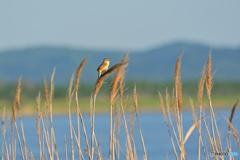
102	66
99	67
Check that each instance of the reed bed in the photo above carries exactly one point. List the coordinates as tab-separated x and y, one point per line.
171	109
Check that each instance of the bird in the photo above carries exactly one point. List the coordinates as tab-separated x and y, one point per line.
103	67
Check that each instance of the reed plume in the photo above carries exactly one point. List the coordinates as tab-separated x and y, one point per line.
120	72
208	74
51	92
79	71
121	85
46	93
178	85
17	96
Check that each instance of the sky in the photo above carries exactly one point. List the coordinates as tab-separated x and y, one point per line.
128	25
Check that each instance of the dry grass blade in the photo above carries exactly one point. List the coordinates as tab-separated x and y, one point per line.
165	118
46	136
200	95
201	86
232	113
136	111
3	134
191	130
174	110
78	143
32	157
169	116
118	132
234	132
128	142
78	72
70	95
98	146
230	125
178	85
53	140
193	112
66	147
131	117
39	115
79	114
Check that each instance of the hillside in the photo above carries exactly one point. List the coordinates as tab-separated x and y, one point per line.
153	64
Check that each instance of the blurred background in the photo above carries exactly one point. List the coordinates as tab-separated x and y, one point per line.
35	37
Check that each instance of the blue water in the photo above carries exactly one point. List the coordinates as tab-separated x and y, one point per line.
154	130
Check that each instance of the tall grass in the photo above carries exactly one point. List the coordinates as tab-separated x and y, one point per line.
172	105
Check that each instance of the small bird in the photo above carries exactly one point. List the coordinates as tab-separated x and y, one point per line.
103	67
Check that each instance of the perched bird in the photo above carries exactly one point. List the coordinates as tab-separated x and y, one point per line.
103	67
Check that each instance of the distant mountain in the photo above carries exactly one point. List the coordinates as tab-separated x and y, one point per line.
153	64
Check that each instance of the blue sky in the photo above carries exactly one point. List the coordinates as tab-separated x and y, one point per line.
121	24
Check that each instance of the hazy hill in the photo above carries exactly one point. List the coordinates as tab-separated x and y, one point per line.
153	64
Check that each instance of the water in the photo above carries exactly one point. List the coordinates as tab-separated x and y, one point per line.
154	130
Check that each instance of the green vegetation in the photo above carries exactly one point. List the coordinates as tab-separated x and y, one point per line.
224	94
145	88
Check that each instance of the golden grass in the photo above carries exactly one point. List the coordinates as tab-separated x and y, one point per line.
78	72
178	85
208	74
171	106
